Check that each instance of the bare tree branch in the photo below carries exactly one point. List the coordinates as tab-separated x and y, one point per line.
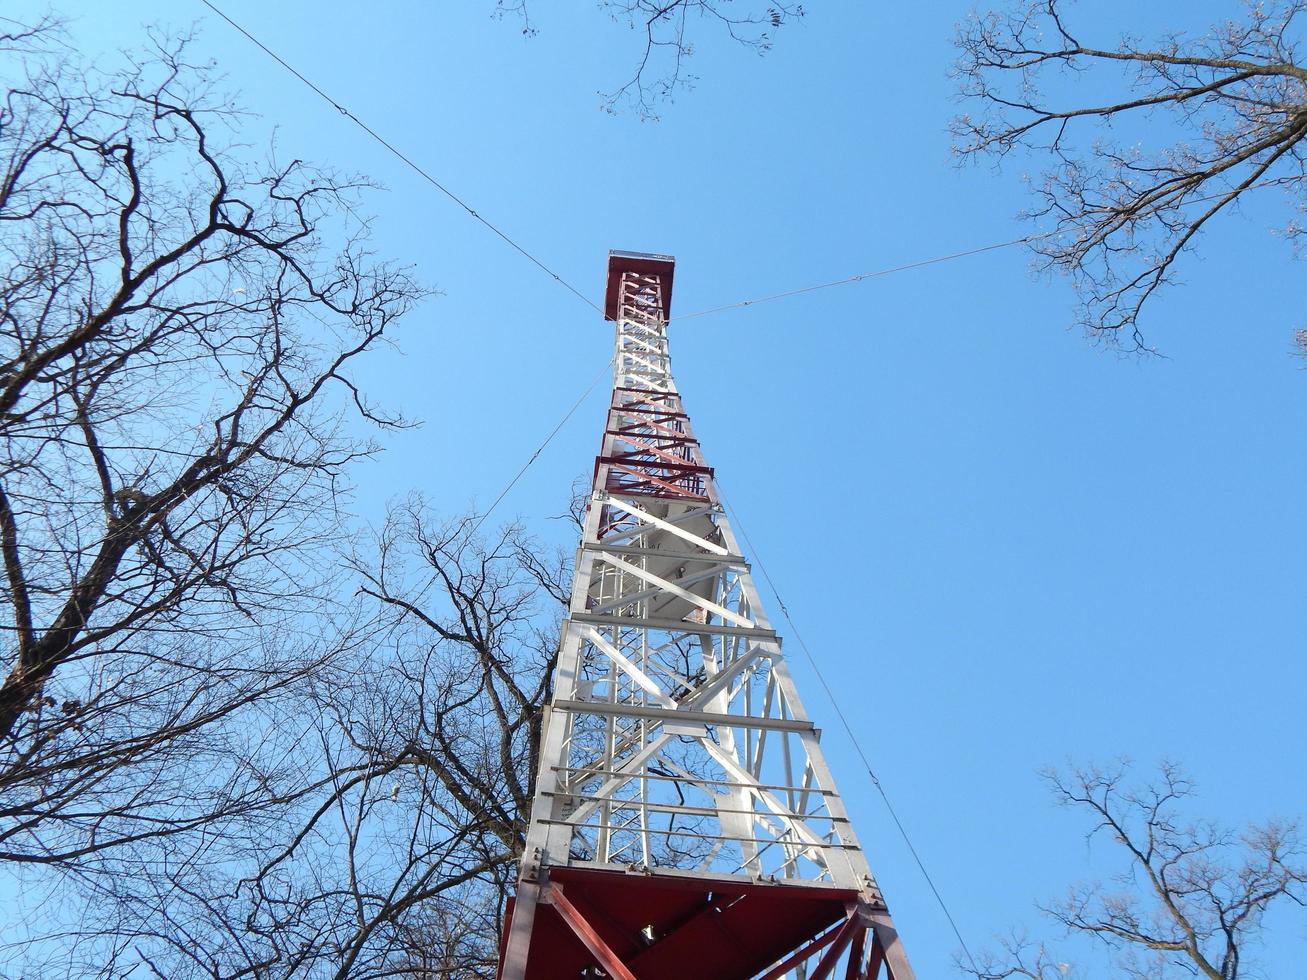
1147	143
666	29
177	332
1192	899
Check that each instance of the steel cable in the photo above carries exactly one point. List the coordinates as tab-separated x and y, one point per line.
848	728
420	171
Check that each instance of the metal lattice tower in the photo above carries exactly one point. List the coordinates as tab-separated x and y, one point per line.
685	824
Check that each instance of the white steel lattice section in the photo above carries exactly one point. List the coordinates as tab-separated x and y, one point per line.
676	741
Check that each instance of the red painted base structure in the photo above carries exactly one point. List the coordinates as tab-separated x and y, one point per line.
667	928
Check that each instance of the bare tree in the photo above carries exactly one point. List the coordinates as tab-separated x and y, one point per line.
471	627
1192	901
420	750
1146	142
667	29
176	335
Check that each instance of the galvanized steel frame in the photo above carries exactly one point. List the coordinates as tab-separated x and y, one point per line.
677	742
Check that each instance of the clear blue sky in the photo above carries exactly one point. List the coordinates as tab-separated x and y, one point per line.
1007	547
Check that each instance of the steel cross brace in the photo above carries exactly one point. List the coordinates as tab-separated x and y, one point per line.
552	894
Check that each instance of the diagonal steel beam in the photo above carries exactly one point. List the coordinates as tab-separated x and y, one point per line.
643	680
622	775
581	928
852	925
794	959
640	514
664	585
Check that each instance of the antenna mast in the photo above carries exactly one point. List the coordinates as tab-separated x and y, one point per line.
685	824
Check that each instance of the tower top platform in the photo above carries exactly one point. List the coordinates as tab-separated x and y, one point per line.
649	263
